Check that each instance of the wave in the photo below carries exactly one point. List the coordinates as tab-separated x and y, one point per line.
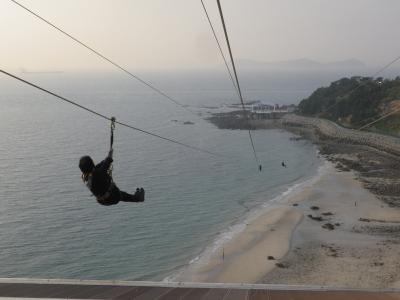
224	237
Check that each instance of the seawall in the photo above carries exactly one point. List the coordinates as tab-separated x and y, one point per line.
327	129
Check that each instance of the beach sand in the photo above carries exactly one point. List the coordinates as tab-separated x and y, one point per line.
245	257
352	240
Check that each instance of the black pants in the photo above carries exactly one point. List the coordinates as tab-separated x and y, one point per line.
116	195
128	197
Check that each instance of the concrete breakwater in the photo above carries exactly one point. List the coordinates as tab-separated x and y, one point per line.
328	129
374	157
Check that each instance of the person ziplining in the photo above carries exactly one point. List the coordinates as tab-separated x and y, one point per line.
151	86
98	178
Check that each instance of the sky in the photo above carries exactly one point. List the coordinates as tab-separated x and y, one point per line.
175	35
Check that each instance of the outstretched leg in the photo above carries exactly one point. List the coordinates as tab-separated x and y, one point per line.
137	197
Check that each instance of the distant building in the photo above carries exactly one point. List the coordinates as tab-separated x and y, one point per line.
267	111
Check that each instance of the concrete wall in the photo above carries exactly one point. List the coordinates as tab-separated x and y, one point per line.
326	128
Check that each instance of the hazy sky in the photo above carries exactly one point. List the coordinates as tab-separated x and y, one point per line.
174	34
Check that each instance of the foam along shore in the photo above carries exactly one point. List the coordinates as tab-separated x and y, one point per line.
291	243
244	258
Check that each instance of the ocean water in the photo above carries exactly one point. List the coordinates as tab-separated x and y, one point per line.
50	225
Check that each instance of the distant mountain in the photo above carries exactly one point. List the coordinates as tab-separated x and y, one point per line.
300	64
348	63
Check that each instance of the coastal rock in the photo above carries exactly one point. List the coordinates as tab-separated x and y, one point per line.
328	226
364	220
327	214
318	218
342	168
281	265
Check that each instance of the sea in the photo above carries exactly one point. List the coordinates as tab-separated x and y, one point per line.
51	226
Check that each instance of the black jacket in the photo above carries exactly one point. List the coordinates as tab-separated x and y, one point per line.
99	183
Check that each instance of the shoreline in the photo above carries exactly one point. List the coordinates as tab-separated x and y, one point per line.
223	251
341	231
284	245
361	248
374	157
244	251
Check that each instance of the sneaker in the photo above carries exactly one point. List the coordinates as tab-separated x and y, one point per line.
140	194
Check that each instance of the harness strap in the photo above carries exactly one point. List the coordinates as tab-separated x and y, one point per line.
107	194
111	143
112	132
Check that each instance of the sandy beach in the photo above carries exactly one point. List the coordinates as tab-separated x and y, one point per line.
239	259
331	231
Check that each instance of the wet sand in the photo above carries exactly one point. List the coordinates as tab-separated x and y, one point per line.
332	232
352	236
361	250
245	257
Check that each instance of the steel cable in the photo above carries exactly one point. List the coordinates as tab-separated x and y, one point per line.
237	80
109	118
219	46
105	58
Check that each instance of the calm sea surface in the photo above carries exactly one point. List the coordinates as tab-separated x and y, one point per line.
51	227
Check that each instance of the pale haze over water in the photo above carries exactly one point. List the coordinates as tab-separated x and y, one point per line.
50	225
161	34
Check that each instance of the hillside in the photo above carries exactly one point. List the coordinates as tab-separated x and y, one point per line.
356	101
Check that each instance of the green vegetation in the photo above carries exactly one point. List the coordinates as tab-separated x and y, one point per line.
356	101
390	125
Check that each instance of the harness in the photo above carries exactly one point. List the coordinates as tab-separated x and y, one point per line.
111	144
108	193
88	180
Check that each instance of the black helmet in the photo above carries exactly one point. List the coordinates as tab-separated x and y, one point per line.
86	164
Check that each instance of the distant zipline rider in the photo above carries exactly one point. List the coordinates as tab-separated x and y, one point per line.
98	178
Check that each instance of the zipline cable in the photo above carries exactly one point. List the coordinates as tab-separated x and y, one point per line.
237	81
108	118
379	119
386	66
350	91
365	82
219	46
362	84
105	58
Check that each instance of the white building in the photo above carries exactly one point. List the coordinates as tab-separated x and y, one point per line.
267	111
